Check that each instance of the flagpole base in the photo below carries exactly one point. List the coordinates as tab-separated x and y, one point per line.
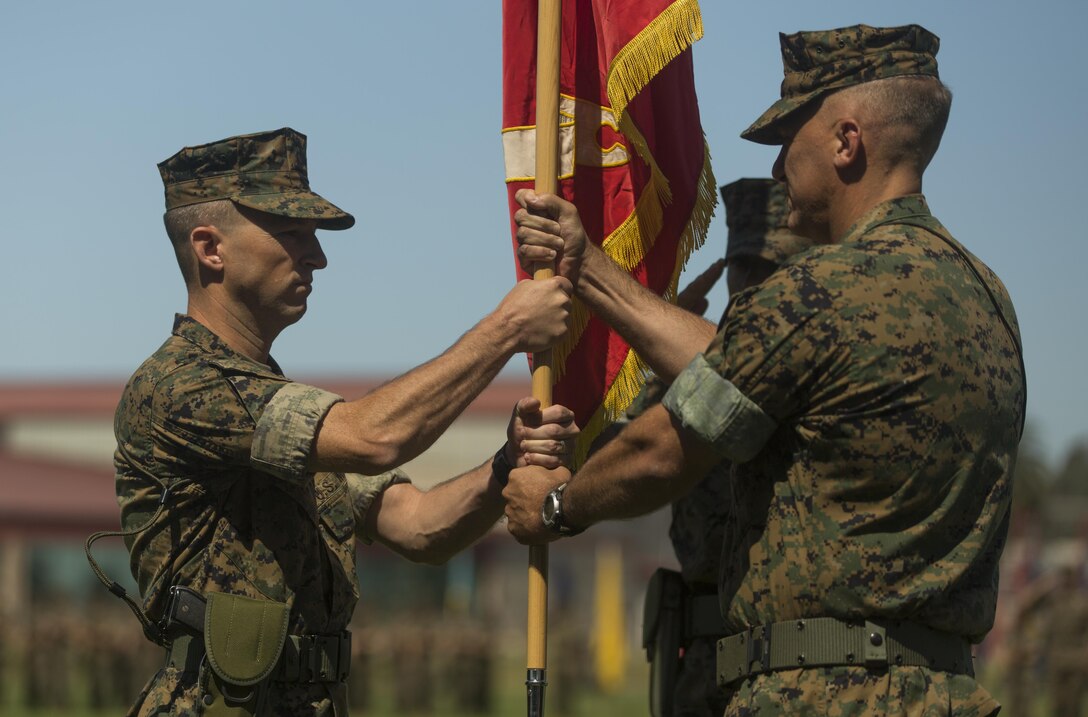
535	682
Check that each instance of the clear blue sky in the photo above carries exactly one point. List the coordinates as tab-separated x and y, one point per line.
401	103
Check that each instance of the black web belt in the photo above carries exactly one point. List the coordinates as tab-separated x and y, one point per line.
703	617
826	641
305	658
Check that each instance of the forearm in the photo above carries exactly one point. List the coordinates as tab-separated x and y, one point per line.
432	526
398	421
665	336
648	465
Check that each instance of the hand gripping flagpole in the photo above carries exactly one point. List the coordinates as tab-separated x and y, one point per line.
549	16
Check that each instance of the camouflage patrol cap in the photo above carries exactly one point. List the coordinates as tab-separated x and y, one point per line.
756	214
816	63
265	171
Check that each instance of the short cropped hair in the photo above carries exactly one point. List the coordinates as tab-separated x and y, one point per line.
181	222
911	112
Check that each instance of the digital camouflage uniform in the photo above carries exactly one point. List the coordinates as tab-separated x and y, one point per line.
229	439
874	391
756	216
875	396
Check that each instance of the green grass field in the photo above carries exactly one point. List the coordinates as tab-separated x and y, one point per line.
507	697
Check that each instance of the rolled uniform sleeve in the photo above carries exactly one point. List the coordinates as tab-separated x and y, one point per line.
285	433
363	491
717	412
752	377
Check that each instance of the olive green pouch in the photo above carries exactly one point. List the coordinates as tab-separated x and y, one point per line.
243	639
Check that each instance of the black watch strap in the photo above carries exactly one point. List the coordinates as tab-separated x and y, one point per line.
500	467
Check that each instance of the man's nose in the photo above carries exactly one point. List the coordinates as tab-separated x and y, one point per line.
315	255
778	169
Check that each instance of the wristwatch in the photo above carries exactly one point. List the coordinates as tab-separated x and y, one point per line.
552	513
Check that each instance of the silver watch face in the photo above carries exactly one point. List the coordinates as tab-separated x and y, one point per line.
550	509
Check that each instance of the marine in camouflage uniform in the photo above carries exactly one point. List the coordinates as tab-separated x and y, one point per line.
197	413
758	242
233	480
874	386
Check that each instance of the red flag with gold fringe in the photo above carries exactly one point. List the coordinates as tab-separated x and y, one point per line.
633	159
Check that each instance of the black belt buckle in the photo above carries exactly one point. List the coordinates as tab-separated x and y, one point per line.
322	658
758	649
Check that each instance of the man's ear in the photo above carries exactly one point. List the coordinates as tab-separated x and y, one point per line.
207	243
849	148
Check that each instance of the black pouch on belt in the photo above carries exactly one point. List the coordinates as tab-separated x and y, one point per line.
662	636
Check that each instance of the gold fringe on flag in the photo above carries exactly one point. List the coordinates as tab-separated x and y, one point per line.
627	245
632	374
665	37
695	232
579	319
632	240
659	43
620	394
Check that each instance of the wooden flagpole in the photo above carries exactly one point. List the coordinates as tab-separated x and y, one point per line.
549	28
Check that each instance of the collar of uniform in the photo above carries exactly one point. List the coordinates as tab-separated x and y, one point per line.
887	212
193	331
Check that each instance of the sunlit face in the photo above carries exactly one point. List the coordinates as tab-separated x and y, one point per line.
805	166
269	263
